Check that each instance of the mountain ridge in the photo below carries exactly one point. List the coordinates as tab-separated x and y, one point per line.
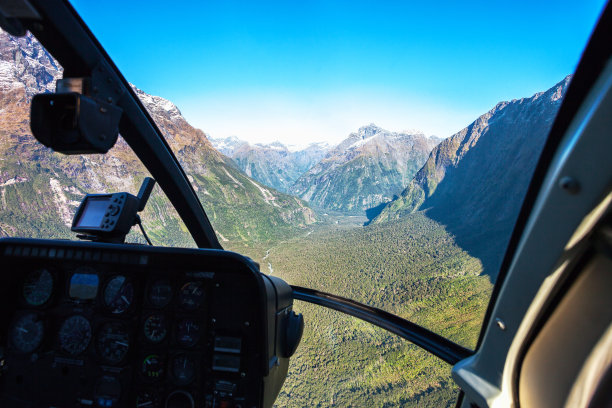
490	161
273	164
365	170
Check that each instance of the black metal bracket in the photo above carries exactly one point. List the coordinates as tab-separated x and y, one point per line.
429	341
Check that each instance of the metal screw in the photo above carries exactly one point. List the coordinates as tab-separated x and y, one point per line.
243	374
214	320
570	184
500	323
217	285
247	324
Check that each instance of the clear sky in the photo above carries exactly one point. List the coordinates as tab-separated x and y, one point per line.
300	71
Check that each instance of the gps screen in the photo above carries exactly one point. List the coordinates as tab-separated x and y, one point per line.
93	213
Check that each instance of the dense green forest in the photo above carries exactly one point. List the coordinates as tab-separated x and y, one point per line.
411	267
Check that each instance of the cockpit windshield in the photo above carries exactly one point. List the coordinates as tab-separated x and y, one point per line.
380	152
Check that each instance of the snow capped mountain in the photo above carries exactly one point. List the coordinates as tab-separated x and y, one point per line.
227	145
25	65
365	170
273	164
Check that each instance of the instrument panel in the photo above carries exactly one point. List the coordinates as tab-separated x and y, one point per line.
104	325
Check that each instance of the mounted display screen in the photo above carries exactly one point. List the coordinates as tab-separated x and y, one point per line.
93	212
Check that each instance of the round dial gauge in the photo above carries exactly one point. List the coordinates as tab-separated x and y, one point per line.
155	328
113	342
118	294
27	333
148	399
152	367
160	293
37	287
191	295
183	369
75	334
188	332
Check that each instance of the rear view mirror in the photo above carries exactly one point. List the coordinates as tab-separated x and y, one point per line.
72	123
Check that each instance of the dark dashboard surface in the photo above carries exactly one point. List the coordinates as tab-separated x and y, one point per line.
102	325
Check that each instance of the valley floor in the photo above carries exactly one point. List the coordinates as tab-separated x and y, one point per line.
413	268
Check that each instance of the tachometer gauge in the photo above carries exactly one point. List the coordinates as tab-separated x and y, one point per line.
113	342
27	333
191	295
75	334
188	332
152	367
183	369
38	287
160	293
155	328
118	294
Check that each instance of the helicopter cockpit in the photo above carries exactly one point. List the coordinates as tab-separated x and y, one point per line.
98	322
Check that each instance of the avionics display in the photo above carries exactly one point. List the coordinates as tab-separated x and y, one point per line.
93	212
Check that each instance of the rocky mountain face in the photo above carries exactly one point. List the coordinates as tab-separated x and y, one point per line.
40	189
365	170
272	164
474	182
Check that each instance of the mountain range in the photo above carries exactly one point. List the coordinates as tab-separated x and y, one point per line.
473	182
273	164
365	170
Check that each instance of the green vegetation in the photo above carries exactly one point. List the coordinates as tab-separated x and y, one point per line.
412	268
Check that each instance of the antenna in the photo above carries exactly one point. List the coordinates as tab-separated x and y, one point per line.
144	193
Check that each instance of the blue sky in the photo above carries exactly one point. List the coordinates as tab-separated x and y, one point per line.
302	71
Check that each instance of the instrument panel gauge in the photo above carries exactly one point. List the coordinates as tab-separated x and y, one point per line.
191	295
118	294
75	334
152	367
188	332
160	293
183	369
148	399
155	328
38	287
27	333
113	342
